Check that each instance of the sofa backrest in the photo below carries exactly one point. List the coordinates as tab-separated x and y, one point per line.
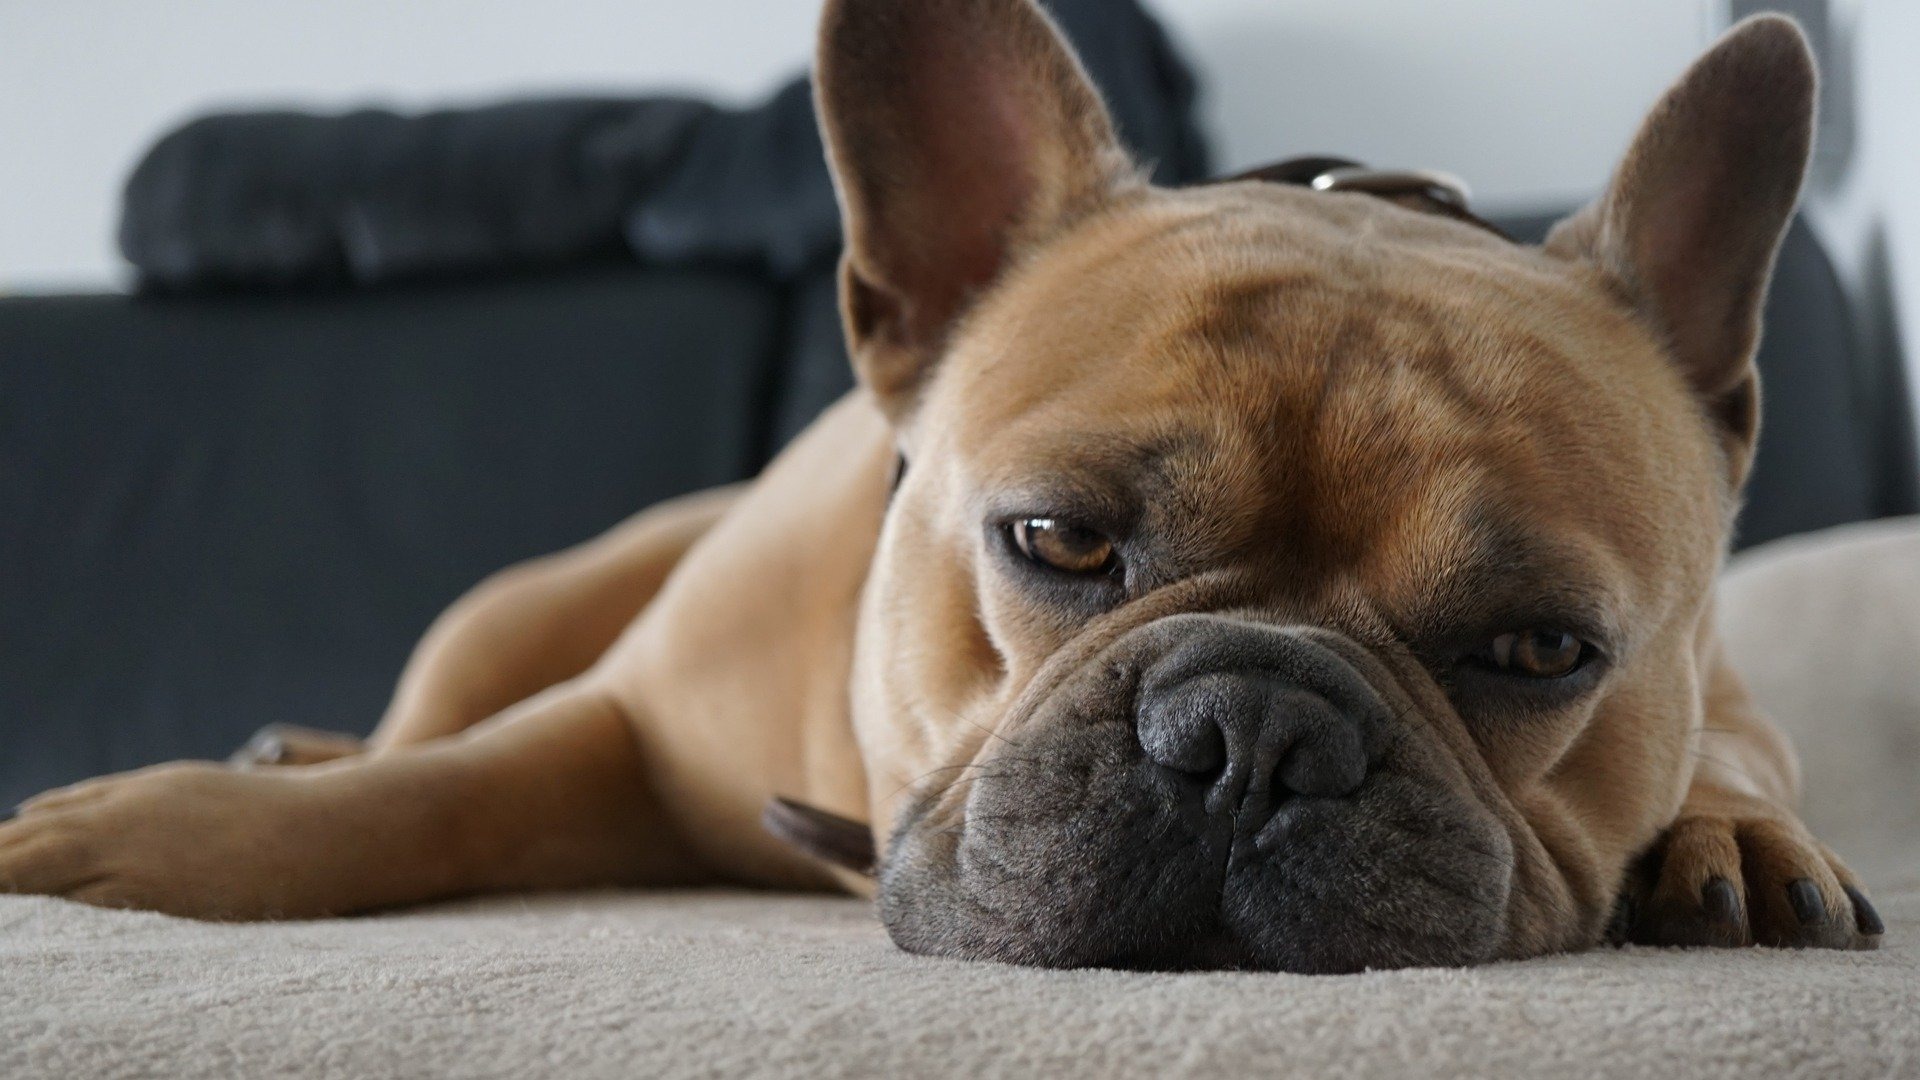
221	512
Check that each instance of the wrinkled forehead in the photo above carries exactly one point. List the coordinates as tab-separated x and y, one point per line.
1261	286
1370	383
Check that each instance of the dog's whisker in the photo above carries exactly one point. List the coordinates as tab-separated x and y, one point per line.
982	728
1731	767
979	774
962	767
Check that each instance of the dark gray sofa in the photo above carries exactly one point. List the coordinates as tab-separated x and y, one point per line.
218	512
231	504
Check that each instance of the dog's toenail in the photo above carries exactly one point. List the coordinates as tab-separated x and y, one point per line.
269	749
1807	904
1721	900
1864	916
1626	913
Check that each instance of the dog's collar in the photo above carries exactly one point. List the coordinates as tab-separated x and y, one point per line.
1416	189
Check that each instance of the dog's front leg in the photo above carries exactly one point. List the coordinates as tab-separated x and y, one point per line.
550	794
525	629
1737	866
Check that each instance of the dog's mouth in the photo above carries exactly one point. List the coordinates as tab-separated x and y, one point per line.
1251	803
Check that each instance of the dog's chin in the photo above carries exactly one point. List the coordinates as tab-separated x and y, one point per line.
1086	856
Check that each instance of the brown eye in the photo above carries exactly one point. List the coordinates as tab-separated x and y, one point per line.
1064	546
1536	654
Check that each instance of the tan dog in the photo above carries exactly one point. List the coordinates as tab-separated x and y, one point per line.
1279	579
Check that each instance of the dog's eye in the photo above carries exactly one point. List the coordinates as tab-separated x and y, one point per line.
1063	546
1536	654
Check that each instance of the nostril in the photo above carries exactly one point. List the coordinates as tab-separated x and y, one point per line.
1180	728
1331	762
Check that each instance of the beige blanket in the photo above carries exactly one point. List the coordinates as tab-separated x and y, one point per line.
716	984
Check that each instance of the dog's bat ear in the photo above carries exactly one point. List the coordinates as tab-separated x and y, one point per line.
1691	221
959	133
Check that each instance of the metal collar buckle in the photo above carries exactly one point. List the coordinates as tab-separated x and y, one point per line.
1418	189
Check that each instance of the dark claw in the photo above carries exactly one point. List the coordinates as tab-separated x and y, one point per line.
267	748
1807	904
1721	901
1864	917
1626	913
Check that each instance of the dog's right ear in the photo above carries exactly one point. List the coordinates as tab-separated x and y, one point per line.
960	133
1689	225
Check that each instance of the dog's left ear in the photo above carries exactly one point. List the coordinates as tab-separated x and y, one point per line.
961	133
1690	223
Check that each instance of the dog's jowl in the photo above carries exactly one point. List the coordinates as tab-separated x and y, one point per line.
1278	578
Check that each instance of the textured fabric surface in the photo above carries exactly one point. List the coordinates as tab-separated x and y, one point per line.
1826	629
717	984
726	985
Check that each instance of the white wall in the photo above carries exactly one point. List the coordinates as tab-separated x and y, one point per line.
86	84
1529	100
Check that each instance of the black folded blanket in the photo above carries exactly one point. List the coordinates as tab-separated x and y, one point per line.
282	198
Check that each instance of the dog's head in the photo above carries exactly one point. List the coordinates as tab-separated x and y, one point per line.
1280	579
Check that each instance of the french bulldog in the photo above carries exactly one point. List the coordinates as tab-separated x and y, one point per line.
1238	576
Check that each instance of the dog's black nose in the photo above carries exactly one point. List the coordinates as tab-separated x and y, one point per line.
1257	718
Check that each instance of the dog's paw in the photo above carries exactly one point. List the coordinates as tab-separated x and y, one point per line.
1748	876
187	839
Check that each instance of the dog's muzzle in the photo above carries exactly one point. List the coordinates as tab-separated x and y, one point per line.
1241	796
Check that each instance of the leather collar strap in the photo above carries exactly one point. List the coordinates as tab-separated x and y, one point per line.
1416	189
